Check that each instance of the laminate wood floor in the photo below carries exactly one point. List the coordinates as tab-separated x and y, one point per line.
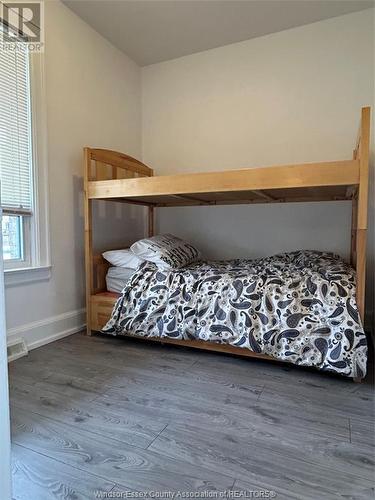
106	417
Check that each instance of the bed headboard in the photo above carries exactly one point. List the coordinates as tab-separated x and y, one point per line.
104	164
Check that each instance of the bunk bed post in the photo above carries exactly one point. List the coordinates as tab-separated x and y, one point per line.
88	236
151	222
353	240
354	196
151	215
362	154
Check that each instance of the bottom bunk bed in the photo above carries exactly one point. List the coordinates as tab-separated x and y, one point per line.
297	307
304	307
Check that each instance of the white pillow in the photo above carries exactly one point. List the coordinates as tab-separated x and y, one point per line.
123	258
166	251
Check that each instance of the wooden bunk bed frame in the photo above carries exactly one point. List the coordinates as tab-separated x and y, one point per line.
113	176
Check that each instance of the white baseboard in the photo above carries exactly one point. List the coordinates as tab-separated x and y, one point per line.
48	330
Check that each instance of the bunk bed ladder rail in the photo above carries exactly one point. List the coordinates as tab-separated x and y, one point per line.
99	165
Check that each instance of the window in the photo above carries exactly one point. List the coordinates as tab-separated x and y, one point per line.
23	162
16	159
12	237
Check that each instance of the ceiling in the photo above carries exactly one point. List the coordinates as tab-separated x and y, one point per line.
151	31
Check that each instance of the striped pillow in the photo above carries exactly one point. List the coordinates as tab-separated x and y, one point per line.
166	251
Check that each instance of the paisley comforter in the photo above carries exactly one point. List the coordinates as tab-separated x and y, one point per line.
297	307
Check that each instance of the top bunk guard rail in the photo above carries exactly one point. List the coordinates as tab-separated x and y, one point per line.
251	184
113	176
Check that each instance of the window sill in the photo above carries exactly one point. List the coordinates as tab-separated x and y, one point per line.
13	277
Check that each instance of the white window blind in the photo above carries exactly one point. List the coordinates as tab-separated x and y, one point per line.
15	133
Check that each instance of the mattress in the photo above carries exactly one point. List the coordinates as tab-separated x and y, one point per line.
297	307
117	278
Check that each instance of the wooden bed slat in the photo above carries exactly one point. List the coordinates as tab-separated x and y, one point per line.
189	198
262	194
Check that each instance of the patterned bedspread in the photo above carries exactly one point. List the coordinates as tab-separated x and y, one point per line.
297	307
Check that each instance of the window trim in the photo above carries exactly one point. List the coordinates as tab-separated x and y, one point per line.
20	276
40	256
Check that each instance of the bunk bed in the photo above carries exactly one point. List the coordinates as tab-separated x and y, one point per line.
116	177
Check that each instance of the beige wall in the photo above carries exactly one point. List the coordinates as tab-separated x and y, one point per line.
93	98
289	97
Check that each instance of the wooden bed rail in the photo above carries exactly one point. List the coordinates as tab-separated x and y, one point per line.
359	209
104	164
